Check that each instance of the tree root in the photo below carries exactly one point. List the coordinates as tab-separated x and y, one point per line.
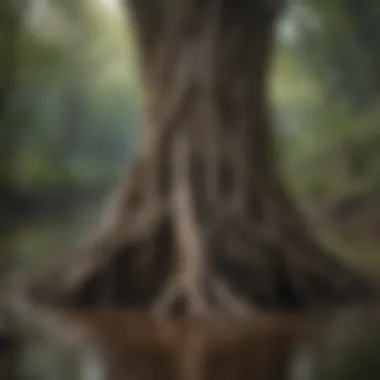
230	302
166	304
221	300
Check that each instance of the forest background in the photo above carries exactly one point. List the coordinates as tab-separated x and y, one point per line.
70	120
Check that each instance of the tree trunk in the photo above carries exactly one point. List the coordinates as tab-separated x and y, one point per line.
204	224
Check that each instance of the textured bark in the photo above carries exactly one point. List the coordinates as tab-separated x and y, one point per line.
203	224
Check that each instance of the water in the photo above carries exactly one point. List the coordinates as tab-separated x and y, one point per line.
33	244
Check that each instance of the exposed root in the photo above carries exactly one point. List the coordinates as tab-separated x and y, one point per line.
229	302
99	251
192	265
174	292
168	297
222	300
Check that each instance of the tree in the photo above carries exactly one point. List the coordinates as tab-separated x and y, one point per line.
204	223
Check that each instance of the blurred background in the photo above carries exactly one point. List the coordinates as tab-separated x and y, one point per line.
70	117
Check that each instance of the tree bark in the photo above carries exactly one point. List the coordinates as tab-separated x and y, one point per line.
204	224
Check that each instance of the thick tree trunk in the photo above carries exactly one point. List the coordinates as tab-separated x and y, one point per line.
203	224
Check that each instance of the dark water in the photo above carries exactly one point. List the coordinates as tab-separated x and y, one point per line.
33	244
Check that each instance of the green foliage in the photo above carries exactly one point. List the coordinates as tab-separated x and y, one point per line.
336	152
326	91
339	40
73	111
